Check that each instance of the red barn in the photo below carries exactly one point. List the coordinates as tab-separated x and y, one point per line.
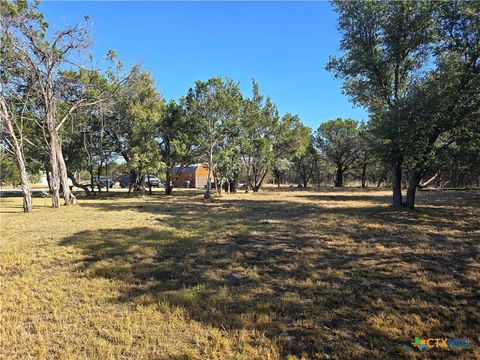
193	176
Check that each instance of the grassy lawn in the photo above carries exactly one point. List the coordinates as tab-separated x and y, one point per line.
329	275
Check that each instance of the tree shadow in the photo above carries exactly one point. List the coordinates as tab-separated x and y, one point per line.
340	281
333	196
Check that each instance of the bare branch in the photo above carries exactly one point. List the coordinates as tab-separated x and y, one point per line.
75	106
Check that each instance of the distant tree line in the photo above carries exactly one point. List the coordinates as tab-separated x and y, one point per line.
413	65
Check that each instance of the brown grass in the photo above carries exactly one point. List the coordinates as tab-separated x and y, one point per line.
333	275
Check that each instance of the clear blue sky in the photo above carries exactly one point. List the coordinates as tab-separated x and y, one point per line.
284	45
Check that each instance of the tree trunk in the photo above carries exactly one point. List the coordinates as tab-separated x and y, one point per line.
397	184
168	180
364	174
339	176
305	179
233	184
49	179
134	181
52	153
92	179
18	152
318	178
215	180
133	178
68	196
429	181
412	189
106	173
77	184
54	178
380	180
247	184
99	171
141	181
149	185
258	184
277	177
208	195
57	163
27	196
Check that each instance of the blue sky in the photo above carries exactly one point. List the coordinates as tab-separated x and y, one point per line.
284	45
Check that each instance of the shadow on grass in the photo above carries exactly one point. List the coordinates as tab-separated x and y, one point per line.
123	194
335	196
344	281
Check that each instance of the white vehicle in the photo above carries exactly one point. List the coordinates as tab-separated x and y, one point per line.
151	180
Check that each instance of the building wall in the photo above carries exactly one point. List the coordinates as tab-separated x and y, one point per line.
198	179
201	175
200	182
202	170
182	177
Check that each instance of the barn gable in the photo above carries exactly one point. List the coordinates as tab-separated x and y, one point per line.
196	174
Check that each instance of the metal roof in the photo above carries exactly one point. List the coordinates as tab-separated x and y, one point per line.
189	169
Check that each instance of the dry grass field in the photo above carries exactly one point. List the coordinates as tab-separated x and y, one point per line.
291	274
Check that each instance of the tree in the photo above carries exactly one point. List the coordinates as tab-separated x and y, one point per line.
366	153
447	100
85	148
280	168
259	120
131	125
307	164
13	141
291	140
268	142
339	141
459	164
212	104
43	58
229	165
9	173
14	104
228	157
385	48
178	140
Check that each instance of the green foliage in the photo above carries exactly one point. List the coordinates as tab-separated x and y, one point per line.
9	173
447	101
178	139
259	120
339	141
415	66
307	164
214	105
460	162
132	124
291	140
385	47
229	163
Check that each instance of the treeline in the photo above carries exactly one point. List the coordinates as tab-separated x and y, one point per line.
413	65
238	137
62	114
